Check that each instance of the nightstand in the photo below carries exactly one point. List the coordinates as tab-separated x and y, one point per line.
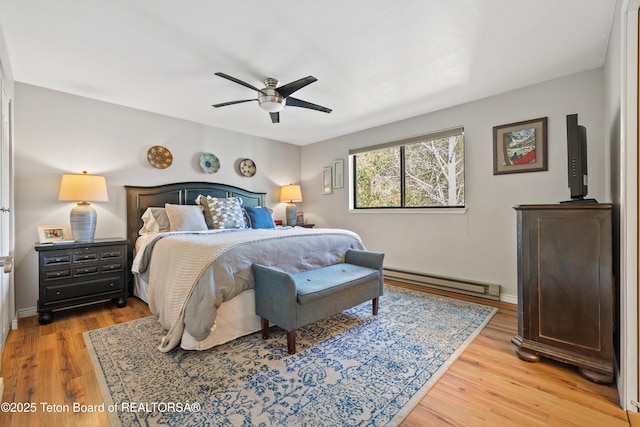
74	274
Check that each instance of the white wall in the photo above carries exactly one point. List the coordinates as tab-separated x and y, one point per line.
621	135
479	244
58	133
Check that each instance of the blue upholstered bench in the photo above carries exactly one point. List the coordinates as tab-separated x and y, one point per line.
294	300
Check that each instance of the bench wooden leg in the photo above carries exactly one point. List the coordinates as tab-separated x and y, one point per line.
291	341
265	328
374	303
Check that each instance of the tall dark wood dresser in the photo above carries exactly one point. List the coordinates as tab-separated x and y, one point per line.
565	286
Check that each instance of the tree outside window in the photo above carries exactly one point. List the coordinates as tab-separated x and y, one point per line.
420	172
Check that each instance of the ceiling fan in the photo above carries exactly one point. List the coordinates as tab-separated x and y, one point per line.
273	99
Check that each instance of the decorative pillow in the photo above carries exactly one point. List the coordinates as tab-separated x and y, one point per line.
245	216
222	212
185	218
259	217
155	221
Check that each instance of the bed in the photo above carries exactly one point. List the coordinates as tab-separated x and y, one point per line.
199	283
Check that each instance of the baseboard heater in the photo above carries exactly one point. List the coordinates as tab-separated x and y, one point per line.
463	286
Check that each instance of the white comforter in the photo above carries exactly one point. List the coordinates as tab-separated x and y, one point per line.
180	300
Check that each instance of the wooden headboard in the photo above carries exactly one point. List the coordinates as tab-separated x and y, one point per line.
181	193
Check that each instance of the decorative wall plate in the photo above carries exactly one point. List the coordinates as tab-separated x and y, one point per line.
247	167
209	163
159	157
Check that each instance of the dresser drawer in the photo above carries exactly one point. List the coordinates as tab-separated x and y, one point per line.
54	259
84	289
115	266
80	271
112	253
56	274
85	271
85	256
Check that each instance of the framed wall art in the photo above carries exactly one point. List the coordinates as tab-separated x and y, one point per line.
54	233
338	173
327	187
520	147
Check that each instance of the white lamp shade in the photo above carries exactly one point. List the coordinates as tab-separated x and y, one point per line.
290	193
83	188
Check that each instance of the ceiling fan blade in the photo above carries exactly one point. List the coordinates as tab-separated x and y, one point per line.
289	88
275	117
240	82
295	102
224	104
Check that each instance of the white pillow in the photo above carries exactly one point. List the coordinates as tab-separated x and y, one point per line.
222	212
155	220
185	218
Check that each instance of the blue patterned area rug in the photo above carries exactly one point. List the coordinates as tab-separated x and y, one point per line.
351	369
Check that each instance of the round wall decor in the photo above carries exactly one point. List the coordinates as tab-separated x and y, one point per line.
159	157
247	167
209	163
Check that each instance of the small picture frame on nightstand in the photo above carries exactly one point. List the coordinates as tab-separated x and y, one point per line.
54	234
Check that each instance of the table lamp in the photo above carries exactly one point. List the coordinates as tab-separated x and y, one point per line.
290	194
83	189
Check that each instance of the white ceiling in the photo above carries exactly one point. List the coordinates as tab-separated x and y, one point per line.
376	61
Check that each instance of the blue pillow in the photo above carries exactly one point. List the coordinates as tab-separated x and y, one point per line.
259	217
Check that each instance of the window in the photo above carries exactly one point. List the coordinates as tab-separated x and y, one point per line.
420	172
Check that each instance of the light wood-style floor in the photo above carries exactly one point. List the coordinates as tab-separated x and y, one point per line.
47	367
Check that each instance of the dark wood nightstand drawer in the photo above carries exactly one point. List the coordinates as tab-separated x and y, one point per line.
57	274
112	267
56	258
85	271
84	289
111	253
85	256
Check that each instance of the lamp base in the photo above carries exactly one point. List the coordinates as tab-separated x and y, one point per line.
291	211
83	220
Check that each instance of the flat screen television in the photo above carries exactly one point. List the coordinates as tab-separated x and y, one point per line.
577	160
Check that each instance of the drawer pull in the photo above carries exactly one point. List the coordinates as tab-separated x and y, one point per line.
58	293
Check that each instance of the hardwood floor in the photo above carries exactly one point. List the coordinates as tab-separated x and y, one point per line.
487	386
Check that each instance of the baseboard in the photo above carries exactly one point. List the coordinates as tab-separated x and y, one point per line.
27	312
511	299
452	284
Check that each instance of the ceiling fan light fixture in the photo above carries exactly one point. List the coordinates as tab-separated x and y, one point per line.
272	98
269	99
271	105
